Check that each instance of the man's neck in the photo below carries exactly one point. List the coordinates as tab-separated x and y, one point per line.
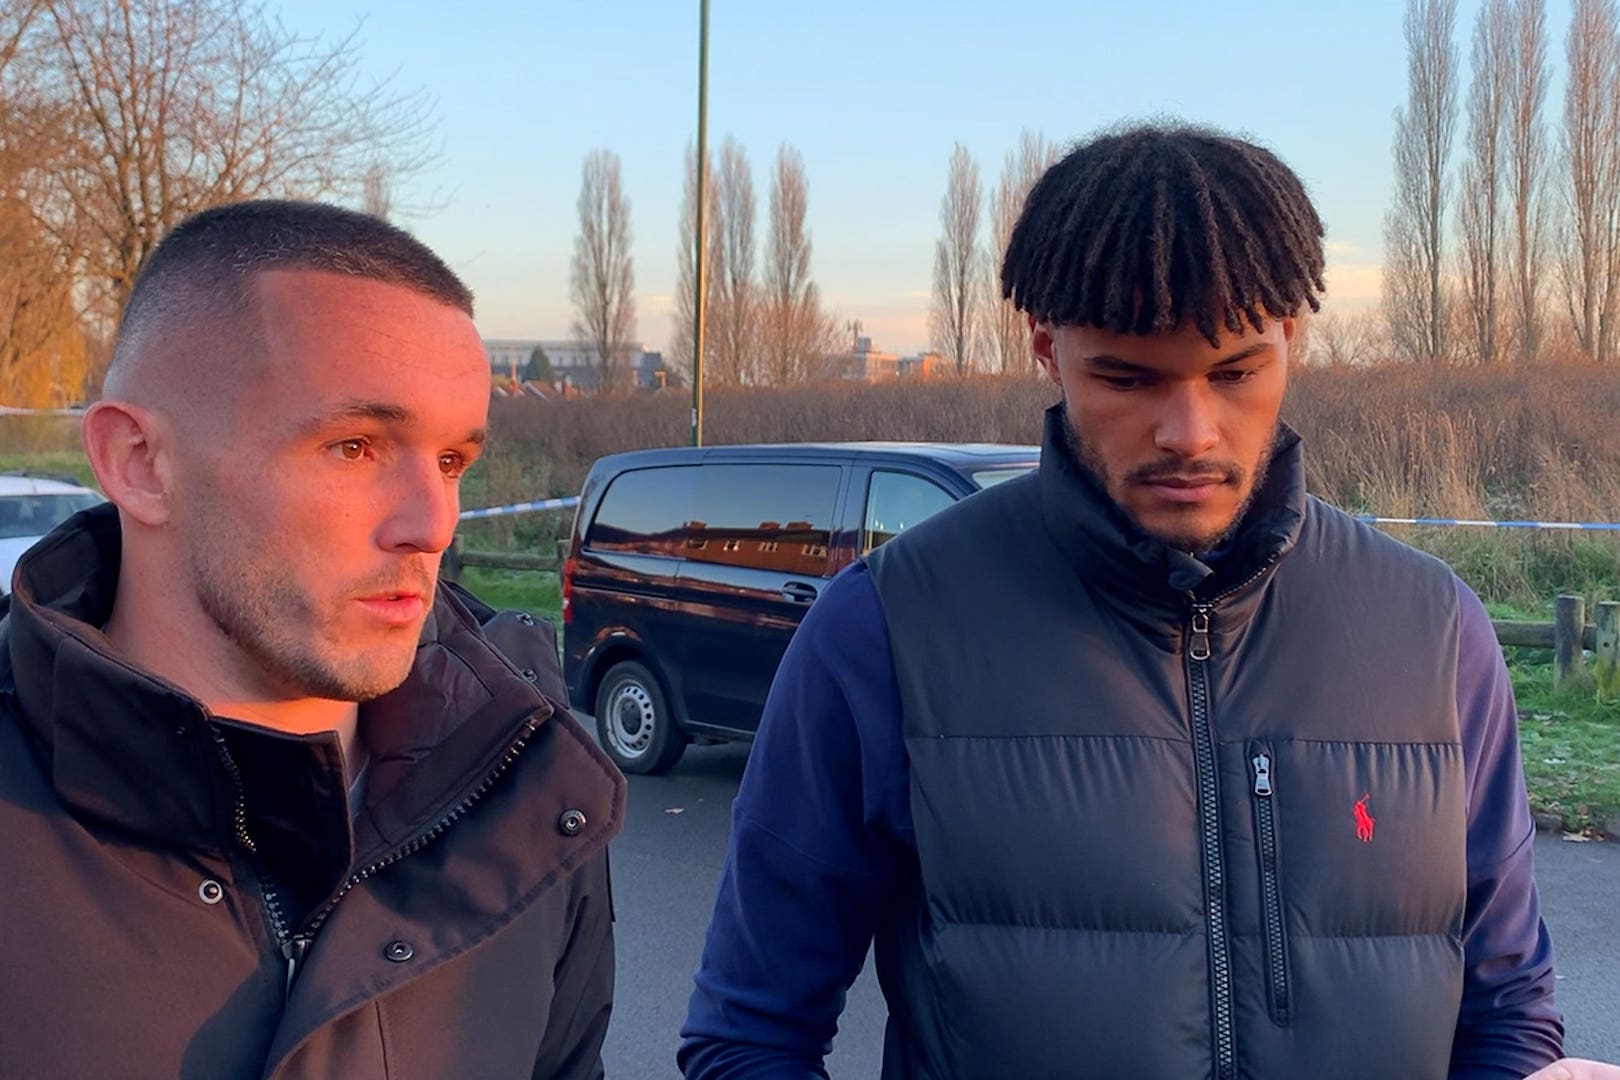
308	716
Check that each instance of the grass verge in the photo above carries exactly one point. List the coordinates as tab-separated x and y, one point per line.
1571	748
524	590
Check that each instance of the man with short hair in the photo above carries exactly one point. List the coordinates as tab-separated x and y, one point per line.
271	802
1147	763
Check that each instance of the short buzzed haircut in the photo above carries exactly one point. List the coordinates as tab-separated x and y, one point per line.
1142	229
204	268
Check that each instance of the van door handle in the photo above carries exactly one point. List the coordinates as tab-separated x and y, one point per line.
798	592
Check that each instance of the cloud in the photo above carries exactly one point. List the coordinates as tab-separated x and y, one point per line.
1354	286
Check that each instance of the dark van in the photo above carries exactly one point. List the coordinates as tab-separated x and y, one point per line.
689	569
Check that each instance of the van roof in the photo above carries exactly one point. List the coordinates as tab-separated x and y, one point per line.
956	455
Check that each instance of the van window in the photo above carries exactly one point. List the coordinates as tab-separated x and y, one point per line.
991	477
644	512
768	517
896	501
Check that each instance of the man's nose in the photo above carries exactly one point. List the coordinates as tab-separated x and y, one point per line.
1187	424
426	504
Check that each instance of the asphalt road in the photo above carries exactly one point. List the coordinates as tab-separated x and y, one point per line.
667	861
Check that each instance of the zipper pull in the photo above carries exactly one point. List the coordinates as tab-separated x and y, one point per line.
1262	774
294	949
1198	647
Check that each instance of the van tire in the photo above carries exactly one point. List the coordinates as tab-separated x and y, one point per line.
633	720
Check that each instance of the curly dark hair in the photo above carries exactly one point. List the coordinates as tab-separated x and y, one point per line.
1139	229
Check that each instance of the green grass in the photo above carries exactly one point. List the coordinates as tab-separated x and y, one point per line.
1526	570
61	463
1571	748
525	590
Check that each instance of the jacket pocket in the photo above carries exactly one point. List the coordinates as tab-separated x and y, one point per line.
1263	774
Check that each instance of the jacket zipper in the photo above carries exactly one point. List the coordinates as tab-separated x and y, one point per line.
1199	651
291	949
1209	820
1264	768
432	833
294	947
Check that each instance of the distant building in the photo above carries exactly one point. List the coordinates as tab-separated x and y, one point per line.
573	363
928	365
863	363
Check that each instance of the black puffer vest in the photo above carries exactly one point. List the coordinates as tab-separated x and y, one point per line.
1172	822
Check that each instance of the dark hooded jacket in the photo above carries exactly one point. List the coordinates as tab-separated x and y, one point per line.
185	895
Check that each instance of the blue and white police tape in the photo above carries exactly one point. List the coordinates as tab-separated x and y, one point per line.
1577	526
520	508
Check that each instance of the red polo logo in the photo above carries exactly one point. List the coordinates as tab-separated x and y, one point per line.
1364	821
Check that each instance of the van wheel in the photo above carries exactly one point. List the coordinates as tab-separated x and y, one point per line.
633	720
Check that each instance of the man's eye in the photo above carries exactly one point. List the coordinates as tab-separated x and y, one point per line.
1229	375
1121	382
453	465
352	449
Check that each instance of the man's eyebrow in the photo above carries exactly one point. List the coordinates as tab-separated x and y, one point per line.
1108	362
383	411
358	409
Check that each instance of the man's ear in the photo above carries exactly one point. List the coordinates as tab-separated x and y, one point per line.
126	450
1040	342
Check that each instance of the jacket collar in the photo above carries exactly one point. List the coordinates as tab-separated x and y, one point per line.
1121	560
127	749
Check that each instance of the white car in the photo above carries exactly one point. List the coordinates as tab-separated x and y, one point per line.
30	507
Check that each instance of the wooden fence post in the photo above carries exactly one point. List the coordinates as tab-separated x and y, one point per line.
450	562
1569	625
1608	650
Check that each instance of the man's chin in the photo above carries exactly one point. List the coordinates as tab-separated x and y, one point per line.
1194	537
357	679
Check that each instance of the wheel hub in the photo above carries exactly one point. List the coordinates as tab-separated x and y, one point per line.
633	720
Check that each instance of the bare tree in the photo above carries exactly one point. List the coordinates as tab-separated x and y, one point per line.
685	316
1527	170
1591	135
733	328
1404	296
603	280
795	334
1346	339
1005	328
1480	209
16	19
44	349
1414	232
377	192
43	345
177	105
954	319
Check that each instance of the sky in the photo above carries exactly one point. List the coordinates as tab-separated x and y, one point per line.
874	95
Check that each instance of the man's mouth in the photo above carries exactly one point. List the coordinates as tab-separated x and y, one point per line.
1185	487
395	607
1202	480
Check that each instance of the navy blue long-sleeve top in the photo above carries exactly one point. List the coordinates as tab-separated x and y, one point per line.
822	839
